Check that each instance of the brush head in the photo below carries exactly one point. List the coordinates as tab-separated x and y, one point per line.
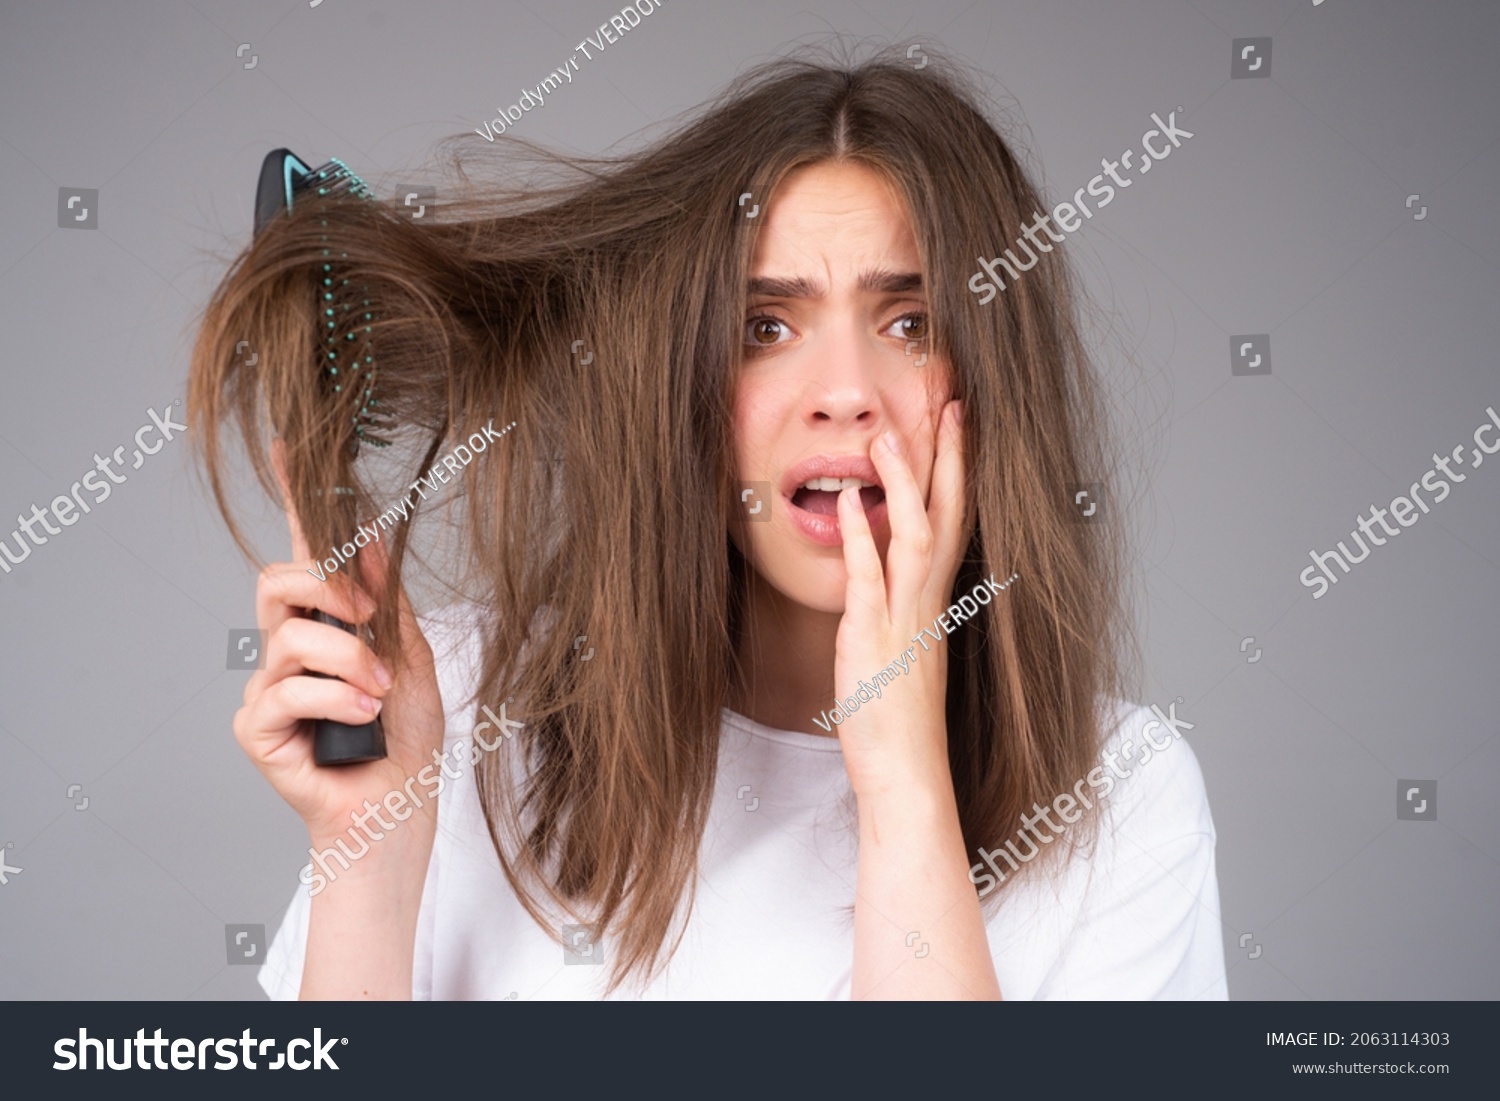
347	352
284	177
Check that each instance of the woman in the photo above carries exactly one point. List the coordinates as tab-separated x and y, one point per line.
796	647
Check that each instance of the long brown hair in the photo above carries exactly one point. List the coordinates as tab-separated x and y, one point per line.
644	258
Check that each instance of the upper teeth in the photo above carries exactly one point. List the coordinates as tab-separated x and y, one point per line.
833	485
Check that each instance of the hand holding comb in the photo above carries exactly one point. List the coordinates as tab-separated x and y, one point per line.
284	178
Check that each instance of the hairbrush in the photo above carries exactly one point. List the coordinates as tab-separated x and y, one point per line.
285	178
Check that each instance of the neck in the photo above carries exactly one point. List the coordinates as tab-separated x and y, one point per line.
786	652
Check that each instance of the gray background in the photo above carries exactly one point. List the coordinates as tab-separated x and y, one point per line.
1285	214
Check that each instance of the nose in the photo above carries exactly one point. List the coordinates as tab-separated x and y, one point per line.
845	391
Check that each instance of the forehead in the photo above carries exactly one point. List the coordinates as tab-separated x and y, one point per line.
835	218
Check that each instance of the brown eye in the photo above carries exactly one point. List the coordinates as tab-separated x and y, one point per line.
764	331
914	326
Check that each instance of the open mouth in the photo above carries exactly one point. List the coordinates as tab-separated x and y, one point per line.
820	496
811	491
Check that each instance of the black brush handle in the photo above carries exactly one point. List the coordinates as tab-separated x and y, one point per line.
336	743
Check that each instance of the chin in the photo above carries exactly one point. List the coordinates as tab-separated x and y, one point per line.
801	573
816	586
820	601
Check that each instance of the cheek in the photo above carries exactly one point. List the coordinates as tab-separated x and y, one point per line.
753	424
934	384
750	458
745	460
920	413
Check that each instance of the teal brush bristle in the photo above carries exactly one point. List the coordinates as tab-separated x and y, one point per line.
335	178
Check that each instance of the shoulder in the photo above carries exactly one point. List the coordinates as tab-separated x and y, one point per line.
1157	788
1147	922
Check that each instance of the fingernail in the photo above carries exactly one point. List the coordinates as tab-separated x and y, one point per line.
958	412
368	704
383	675
892	443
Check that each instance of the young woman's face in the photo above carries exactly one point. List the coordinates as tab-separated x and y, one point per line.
836	353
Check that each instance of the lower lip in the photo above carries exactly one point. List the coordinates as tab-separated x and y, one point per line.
824	530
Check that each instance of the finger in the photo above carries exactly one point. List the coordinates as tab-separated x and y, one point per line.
300	549
285	589
307	646
909	556
276	716
945	508
866	587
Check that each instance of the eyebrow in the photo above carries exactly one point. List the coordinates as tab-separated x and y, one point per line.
874	280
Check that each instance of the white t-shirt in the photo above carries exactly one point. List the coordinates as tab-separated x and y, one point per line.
1137	916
